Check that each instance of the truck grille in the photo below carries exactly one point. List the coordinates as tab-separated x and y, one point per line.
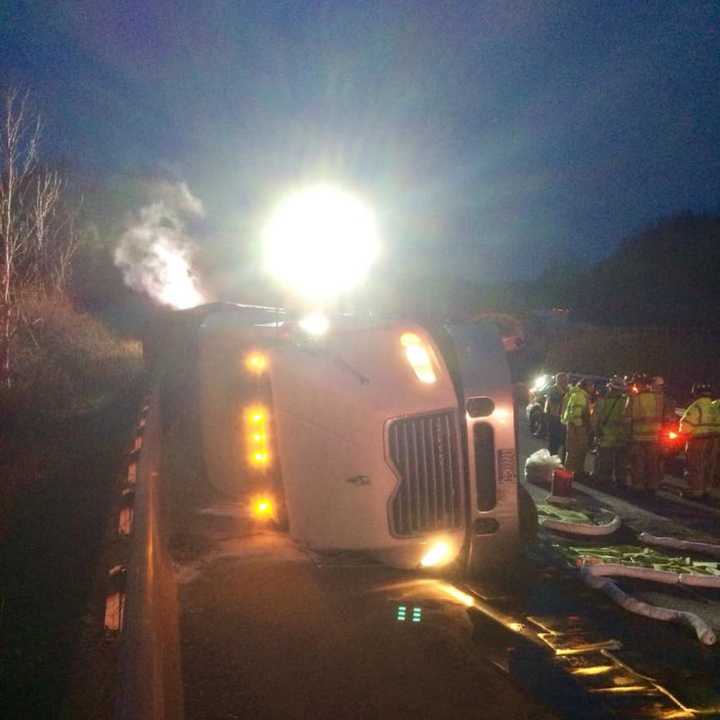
425	452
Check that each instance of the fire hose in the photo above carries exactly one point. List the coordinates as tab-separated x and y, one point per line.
596	577
677	544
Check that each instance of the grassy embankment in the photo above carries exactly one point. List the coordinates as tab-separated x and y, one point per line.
66	425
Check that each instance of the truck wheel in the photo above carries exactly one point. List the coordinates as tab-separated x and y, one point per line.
527	516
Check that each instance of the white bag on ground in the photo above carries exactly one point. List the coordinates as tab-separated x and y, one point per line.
540	465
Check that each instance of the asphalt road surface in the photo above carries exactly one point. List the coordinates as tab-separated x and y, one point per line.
269	631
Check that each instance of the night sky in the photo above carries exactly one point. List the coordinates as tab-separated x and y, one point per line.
494	137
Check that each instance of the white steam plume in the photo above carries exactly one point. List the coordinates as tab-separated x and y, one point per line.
155	251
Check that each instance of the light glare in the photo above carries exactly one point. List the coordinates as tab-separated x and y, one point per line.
501	414
315	324
438	554
460	596
320	242
419	357
262	507
256	362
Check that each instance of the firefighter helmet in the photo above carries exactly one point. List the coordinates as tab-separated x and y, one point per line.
701	389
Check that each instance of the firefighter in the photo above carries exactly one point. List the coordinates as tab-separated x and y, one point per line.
644	409
658	386
610	425
701	422
576	419
553	411
716	451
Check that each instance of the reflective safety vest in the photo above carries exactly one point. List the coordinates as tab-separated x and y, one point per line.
701	419
646	416
610	421
576	410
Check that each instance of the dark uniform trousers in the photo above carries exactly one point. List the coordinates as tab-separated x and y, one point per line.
556	435
612	464
645	465
700	453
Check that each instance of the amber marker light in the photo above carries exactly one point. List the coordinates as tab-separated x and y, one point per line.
262	507
257	435
256	362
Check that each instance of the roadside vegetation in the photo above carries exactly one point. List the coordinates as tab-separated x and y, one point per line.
70	388
54	359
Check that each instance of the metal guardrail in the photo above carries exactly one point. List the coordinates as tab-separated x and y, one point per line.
150	683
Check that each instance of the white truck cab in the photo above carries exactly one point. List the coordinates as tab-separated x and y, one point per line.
394	439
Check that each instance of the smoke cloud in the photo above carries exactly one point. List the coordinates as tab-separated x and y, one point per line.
156	250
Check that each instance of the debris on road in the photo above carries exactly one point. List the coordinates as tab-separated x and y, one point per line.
598	564
578	520
643	559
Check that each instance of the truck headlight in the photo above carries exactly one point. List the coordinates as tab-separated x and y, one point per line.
420	357
439	553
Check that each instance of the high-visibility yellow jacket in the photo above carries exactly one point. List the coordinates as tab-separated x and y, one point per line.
645	411
701	419
577	408
610	422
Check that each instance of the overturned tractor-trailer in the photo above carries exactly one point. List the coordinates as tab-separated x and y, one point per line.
394	439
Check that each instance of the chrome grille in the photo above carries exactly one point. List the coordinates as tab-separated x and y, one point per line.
425	453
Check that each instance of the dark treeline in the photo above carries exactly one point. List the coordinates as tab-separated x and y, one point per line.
666	275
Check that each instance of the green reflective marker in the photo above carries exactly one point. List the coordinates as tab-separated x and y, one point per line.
417	614
401	613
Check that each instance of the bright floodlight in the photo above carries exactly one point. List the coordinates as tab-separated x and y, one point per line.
320	243
315	323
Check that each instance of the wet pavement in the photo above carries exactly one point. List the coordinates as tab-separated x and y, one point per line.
668	653
269	631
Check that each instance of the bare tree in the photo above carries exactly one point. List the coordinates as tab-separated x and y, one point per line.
37	233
